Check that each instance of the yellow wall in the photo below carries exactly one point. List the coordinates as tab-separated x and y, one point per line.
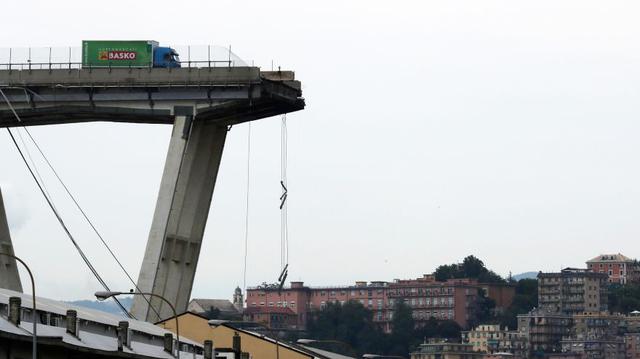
198	329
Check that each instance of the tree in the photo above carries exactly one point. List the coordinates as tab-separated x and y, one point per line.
433	328
526	298
447	271
471	267
624	298
350	323
353	325
403	327
485	309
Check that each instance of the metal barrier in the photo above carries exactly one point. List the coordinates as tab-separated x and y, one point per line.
69	58
28	66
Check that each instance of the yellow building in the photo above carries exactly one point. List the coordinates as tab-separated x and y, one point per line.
197	328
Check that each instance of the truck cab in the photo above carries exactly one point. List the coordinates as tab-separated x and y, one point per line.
165	57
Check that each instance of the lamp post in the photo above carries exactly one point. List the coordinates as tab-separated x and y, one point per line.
105	295
34	351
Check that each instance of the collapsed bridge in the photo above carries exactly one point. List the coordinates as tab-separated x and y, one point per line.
201	104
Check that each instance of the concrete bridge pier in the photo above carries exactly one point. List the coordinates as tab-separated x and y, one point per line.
9	276
184	199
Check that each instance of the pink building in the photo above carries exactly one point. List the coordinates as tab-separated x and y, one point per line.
454	299
619	268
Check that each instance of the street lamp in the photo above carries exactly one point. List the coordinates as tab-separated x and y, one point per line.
106	295
33	292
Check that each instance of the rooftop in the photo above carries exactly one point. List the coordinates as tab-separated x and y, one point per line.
610	258
96	329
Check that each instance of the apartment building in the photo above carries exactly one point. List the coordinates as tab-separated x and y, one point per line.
596	335
543	330
445	350
454	299
272	317
573	291
632	345
492	339
619	268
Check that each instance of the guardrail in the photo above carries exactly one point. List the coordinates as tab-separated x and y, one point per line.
28	66
69	58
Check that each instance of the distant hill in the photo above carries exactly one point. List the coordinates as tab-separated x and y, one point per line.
525	275
108	306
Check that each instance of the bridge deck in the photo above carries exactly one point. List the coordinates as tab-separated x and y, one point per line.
139	95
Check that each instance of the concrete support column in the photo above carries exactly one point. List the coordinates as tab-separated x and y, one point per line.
180	216
9	276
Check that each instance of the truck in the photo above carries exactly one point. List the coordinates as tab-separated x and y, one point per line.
127	53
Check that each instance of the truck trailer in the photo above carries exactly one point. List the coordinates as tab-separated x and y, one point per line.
123	53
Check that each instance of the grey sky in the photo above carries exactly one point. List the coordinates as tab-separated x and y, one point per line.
434	130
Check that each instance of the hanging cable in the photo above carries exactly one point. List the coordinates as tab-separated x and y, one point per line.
284	180
88	220
246	218
75	201
53	208
284	225
33	163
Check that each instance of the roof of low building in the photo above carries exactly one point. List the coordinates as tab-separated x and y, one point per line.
270	310
311	352
106	342
201	305
325	353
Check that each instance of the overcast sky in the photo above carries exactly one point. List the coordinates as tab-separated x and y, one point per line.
433	130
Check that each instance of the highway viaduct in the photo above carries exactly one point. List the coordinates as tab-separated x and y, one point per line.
200	103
